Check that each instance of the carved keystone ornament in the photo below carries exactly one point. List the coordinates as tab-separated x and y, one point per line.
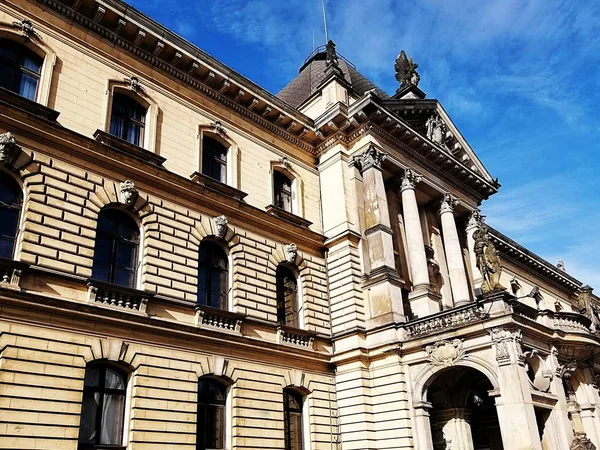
291	252
129	192
221	226
445	353
8	146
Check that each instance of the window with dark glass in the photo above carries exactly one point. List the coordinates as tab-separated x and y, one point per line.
103	408
210	425
11	201
214	159
127	119
292	417
213	283
20	69
287	297
116	249
282	194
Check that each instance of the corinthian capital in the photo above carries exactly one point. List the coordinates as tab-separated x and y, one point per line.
448	203
371	157
475	218
409	180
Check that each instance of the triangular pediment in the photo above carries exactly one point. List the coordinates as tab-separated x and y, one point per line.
428	118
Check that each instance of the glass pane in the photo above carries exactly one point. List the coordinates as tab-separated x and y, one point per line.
10	191
9	221
126	255
92	377
114	380
7	50
6	75
133	133
128	229
215	427
101	272
33	63
295	431
117	125
201	426
105	223
124	277
28	86
113	414
6	248
89	412
103	251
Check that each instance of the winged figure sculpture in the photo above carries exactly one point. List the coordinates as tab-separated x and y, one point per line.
406	70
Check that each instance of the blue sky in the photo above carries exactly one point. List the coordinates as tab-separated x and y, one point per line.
521	80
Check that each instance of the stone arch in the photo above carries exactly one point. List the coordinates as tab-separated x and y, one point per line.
109	195
34	41
110	349
216	367
297	380
429	373
279	256
208	228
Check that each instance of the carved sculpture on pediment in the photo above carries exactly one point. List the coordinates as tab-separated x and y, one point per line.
291	252
487	260
8	147
560	265
445	353
221	224
128	192
436	129
406	71
502	337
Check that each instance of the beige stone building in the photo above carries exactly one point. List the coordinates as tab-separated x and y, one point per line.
190	262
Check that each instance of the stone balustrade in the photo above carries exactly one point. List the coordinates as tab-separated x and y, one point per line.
452	318
568	321
10	272
221	320
295	337
119	297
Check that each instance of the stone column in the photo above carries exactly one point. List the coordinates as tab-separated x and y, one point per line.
456	429
518	425
384	283
456	267
422	428
475	218
422	301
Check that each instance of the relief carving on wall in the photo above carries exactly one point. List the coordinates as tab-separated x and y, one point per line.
291	252
221	226
27	29
436	129
445	353
501	337
128	192
8	147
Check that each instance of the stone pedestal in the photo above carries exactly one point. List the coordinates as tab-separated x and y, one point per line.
455	432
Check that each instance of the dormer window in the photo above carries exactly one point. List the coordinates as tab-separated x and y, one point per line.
214	159
20	69
282	191
128	119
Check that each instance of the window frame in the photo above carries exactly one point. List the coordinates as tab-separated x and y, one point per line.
281	300
18	208
101	388
222	405
287	414
209	268
18	66
280	204
130	102
115	238
222	162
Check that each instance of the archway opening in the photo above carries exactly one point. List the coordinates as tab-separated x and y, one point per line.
463	414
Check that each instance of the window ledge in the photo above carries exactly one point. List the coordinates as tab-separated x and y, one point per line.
27	105
217	186
295	337
288	216
219	319
128	148
117	297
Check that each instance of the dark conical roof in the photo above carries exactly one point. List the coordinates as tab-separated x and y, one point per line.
312	73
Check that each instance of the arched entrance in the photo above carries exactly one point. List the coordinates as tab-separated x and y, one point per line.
463	415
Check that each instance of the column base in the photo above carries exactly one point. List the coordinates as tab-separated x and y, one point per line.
424	302
385	302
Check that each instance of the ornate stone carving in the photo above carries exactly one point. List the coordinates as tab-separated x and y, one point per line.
371	157
560	265
475	218
128	192
436	129
448	203
8	147
577	353
285	162
433	268
26	27
218	127
581	442
410	179
221	226
487	260
406	71
291	252
445	353
134	84
501	338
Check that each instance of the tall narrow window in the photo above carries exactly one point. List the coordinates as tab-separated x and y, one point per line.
11	201
20	69
210	425
103	408
116	249
127	119
282	195
214	159
292	417
213	282
287	297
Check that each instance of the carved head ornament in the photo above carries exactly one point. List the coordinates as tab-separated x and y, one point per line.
8	146
129	192
221	223
291	252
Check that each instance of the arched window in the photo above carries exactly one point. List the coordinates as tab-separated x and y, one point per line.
211	423
103	407
116	249
20	69
282	191
213	279
214	159
292	417
11	200
127	119
287	297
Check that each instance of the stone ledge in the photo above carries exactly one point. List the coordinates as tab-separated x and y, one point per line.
295	337
288	216
27	105
113	296
217	186
226	321
122	146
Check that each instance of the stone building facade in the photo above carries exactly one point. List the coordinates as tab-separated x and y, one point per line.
190	262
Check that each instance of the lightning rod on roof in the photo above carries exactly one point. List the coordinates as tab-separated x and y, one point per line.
325	21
